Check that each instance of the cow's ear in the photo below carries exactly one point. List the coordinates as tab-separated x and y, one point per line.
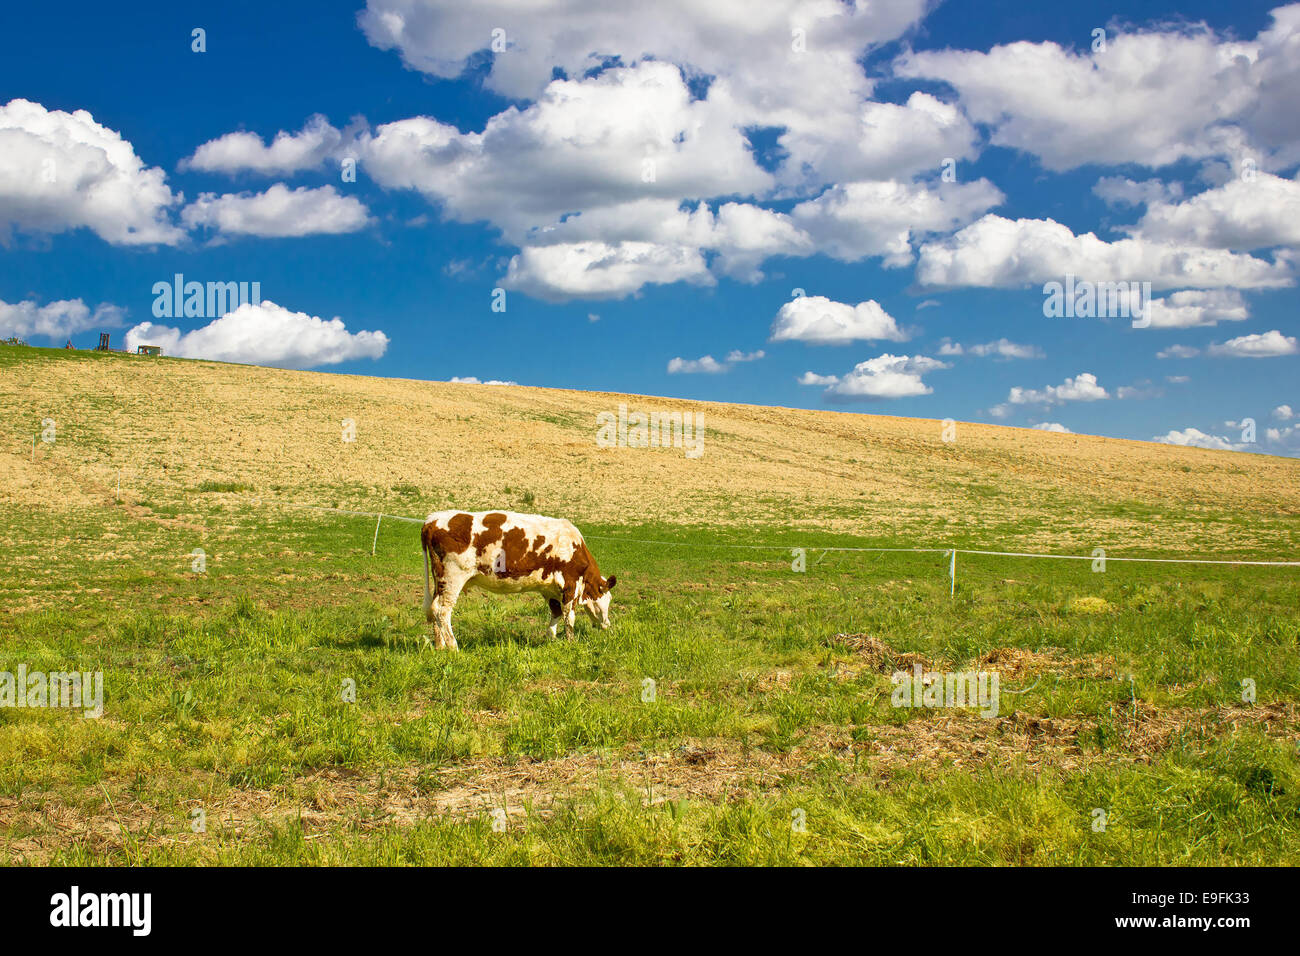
610	582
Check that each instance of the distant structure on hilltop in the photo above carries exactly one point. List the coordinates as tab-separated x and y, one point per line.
103	346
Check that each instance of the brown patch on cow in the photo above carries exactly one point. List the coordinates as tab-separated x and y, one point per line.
523	559
453	539
491	532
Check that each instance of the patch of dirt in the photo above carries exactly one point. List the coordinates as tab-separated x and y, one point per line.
878	656
701	770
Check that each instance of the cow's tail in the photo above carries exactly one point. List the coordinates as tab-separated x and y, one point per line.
428	595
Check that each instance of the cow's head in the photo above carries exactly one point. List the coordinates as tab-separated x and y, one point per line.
595	598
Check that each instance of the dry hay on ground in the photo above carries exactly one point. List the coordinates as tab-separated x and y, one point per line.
866	474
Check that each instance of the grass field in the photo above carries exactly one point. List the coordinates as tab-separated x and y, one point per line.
770	738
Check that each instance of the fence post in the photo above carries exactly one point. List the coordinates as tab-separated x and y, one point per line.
952	573
374	543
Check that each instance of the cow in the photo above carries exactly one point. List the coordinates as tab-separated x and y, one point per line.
508	553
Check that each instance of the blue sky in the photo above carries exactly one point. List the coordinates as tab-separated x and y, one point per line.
650	187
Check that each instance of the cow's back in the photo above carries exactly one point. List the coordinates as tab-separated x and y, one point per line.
506	550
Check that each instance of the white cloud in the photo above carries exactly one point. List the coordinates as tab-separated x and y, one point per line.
857	220
1140	390
627	135
810	82
1151	97
1082	388
1287	438
1003	348
1179	352
600	270
705	363
888	141
821	321
1003	253
55	320
62	171
812	378
471	380
1121	191
1191	308
1177	379
1258	213
1053	427
278	212
1259	345
1196	438
709	365
288	153
886	376
1283	413
265	334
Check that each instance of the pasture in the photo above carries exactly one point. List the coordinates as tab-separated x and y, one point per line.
738	711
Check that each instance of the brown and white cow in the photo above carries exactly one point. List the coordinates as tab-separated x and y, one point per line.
504	552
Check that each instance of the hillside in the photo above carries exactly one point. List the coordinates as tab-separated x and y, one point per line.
170	426
264	667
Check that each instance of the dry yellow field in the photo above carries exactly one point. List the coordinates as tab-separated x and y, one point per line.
168	425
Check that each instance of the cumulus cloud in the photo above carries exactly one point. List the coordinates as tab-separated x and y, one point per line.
1004	253
588	174
288	153
705	363
1082	388
1256	213
278	212
1052	427
1179	352
1259	345
471	380
1195	438
265	334
1191	308
1122	191
1151	97
812	378
1283	413
821	321
885	376
626	135
62	171
789	64
888	141
857	220
602	270
55	320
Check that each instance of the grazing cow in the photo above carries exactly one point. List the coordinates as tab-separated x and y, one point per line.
507	553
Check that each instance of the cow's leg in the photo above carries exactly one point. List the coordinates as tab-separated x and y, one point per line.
444	602
569	604
556	613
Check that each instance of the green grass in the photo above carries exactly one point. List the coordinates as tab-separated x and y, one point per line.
224	690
